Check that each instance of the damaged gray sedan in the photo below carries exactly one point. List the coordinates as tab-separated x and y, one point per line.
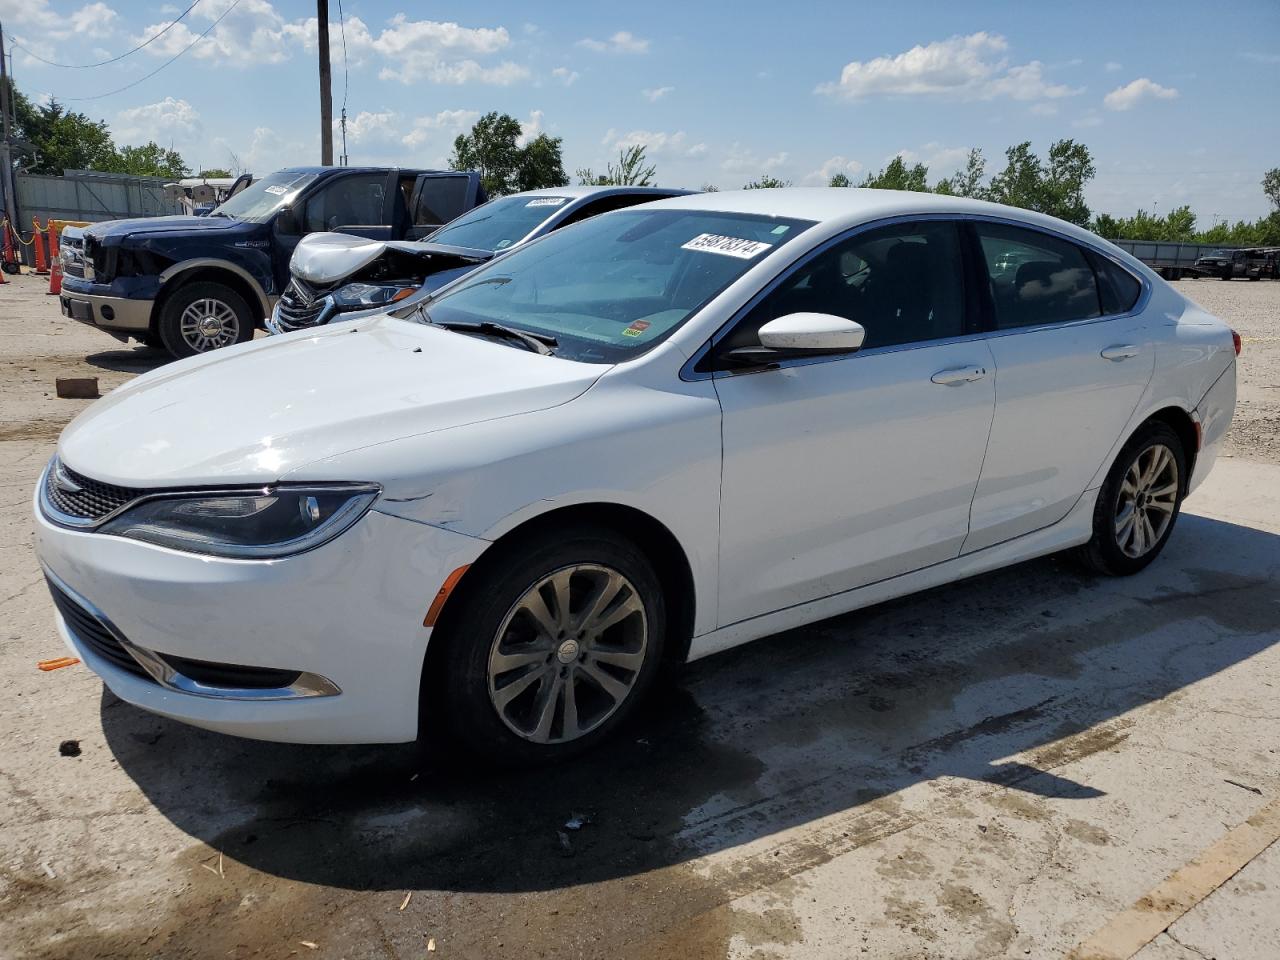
336	276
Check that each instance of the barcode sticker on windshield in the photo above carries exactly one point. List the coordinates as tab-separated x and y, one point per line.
546	202
728	246
278	190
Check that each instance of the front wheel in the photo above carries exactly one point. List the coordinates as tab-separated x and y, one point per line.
204	316
553	645
1138	503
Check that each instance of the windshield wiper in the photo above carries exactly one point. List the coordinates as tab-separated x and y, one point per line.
537	342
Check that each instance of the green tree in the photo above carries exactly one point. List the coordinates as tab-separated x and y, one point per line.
898	176
840	180
1056	188
631	171
967	182
1271	186
541	164
150	160
491	150
766	182
214	172
62	140
1021	182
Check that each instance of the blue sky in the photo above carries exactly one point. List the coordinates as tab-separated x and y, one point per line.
1176	100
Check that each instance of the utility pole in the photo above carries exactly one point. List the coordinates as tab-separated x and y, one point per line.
6	149
326	89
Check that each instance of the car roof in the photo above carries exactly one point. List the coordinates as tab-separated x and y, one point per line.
580	192
839	207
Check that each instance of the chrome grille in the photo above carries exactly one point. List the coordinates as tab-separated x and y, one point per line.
301	304
80	498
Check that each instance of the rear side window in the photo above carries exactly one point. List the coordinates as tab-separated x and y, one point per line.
903	283
1036	278
1118	288
440	200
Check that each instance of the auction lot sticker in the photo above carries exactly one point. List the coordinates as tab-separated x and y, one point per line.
546	202
727	246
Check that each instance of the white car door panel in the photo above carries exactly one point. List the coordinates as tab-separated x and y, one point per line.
843	473
1064	392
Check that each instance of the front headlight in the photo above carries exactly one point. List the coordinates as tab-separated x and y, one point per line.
246	524
364	295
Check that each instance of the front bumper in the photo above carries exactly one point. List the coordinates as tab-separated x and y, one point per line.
107	313
350	613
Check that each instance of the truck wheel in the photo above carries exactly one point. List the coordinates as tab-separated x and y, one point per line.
1226	274
204	316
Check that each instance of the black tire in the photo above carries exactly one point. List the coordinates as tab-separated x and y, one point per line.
1103	553
231	306
12	267
457	697
153	340
1225	275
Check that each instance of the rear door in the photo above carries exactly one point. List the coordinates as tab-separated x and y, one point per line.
438	198
1072	360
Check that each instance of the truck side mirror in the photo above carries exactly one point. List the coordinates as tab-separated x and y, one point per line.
287	222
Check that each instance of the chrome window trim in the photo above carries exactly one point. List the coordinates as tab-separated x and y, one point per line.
688	371
307	685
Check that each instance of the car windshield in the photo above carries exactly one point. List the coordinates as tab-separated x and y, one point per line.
500	223
259	201
611	287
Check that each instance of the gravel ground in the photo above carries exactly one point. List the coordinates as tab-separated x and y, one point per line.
993	769
1253	310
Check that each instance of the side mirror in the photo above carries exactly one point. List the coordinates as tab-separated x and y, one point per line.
801	335
287	222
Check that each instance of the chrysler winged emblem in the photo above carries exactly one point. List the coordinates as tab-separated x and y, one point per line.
64	482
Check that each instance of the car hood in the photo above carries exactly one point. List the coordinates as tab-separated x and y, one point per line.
118	229
253	413
326	258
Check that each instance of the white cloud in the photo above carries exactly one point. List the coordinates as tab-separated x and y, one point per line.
531	129
621	42
1133	93
1090	119
410	50
164	121
656	143
741	159
972	67
838	164
657	93
935	156
1113	67
1044	108
370	126
450	123
1261	57
565	75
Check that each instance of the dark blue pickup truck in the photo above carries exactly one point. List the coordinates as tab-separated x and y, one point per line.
193	284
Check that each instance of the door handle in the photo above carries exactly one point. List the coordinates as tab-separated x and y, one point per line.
1121	351
953	376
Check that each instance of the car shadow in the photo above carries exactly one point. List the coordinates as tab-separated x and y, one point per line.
130	359
1005	678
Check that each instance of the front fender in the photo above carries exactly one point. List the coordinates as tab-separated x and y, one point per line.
258	282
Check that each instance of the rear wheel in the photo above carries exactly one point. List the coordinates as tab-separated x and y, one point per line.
1139	502
552	646
204	316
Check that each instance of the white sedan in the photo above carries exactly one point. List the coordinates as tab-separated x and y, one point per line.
649	437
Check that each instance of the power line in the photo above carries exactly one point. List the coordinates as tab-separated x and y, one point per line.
103	63
128	86
346	77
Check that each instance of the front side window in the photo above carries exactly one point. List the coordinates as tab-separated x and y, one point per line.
903	284
614	285
348	201
1036	278
259	201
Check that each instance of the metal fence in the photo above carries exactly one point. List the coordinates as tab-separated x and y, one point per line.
89	195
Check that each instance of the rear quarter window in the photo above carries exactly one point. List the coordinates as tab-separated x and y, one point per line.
1118	289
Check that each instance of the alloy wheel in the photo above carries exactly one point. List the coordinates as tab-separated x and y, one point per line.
207	324
568	653
1147	501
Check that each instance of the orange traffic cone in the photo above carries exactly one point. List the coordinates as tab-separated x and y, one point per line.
37	242
55	277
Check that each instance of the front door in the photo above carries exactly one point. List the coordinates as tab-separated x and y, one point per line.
842	472
1071	365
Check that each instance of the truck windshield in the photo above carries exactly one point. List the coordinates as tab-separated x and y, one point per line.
499	224
614	285
259	201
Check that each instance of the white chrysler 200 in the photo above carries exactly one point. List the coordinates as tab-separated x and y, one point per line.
648	437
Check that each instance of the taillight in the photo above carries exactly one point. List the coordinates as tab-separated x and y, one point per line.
1235	341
